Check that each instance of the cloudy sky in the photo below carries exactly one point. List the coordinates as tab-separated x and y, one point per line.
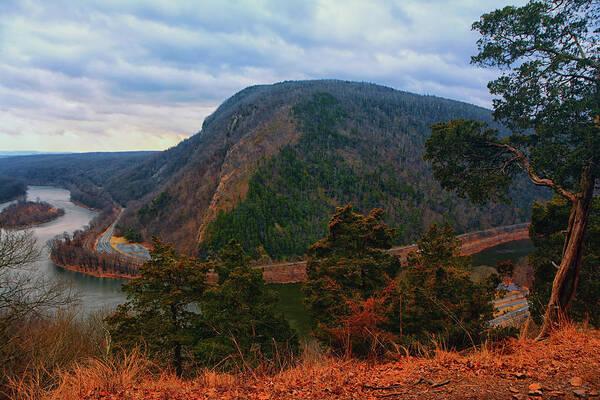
112	75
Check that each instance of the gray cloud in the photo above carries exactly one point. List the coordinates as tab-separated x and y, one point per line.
118	75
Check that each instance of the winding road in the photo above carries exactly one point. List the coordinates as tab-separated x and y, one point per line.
134	252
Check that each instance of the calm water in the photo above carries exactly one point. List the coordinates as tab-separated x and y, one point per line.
104	294
95	293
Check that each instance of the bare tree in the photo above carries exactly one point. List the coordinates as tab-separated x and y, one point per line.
22	293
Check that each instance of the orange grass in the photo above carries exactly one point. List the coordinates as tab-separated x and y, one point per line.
487	372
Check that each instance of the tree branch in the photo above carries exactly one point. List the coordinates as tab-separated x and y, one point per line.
535	178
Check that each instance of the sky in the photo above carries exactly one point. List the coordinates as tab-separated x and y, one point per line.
113	75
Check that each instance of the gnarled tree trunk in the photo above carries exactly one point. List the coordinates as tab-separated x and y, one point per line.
567	276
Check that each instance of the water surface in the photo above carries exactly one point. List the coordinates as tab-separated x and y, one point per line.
95	293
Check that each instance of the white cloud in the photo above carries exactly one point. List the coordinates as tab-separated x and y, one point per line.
114	75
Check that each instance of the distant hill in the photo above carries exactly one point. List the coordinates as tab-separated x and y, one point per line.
272	162
84	174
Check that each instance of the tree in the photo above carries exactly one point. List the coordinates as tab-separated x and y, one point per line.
23	295
506	269
240	317
438	297
547	231
550	99
346	268
162	309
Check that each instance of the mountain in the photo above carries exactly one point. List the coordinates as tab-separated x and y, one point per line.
84	174
273	161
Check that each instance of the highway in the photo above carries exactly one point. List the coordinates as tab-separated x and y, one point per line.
135	252
510	309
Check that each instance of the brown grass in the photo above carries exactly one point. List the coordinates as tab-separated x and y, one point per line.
493	371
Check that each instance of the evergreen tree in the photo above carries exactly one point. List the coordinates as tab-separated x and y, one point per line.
547	231
550	98
347	268
162	309
240	323
439	300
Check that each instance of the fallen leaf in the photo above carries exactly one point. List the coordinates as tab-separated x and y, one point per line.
513	390
579	392
576	381
534	387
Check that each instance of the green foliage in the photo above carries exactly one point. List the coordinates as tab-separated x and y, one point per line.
547	231
291	195
466	158
131	235
162	308
439	300
348	265
240	324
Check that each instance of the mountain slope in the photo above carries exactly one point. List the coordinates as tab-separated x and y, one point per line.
273	161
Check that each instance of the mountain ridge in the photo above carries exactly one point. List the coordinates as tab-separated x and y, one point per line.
373	133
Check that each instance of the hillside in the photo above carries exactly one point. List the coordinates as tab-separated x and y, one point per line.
272	162
84	174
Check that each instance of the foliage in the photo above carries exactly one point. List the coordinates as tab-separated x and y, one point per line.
505	269
162	308
76	250
549	95
11	188
27	213
240	325
348	271
547	231
340	158
132	236
154	208
439	300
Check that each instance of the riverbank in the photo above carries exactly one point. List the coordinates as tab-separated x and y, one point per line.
27	214
294	272
91	273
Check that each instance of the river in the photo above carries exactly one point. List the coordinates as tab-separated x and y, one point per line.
104	294
95	294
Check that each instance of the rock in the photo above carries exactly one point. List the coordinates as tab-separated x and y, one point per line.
593	393
579	393
535	387
576	381
519	397
556	393
513	390
520	375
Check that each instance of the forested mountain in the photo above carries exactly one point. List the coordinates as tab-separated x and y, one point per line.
84	174
272	162
11	189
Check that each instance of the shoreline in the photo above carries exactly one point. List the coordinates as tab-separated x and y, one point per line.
82	205
107	275
55	216
293	272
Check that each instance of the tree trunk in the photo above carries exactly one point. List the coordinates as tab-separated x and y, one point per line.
567	276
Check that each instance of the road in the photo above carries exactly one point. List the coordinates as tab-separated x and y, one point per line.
510	309
135	252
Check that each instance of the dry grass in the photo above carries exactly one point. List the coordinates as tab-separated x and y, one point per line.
487	372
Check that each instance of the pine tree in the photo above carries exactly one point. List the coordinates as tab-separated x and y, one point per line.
240	324
162	309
